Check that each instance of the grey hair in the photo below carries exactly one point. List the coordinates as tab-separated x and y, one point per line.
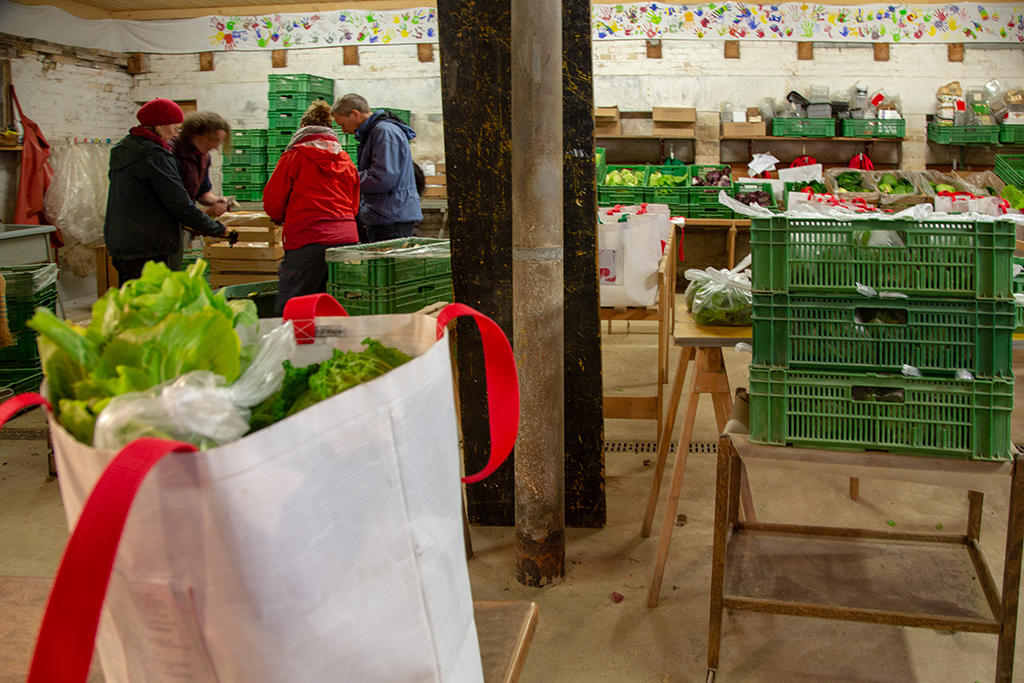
349	103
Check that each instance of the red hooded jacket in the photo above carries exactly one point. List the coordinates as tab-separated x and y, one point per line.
314	191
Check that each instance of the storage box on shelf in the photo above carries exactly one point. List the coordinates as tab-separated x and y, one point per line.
394	276
702	200
874	128
674	122
1011	134
744	129
606	121
963	135
804	128
610	195
254	258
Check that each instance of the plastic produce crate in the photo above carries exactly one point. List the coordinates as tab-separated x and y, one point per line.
804	128
600	162
293	104
675	196
284	121
307	84
944	417
847	334
245	158
263	294
1012	134
740	188
352	150
702	201
610	195
963	135
244	192
19	312
874	128
1010	167
950	259
21	378
403	114
241	175
1018	287
389	263
242	138
399	299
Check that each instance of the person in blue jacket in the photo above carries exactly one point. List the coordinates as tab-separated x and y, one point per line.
389	204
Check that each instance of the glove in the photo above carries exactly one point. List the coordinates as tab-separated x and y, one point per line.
232	237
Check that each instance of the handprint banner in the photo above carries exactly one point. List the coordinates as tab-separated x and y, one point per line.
969	23
324	29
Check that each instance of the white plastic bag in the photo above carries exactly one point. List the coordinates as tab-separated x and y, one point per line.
720	297
76	200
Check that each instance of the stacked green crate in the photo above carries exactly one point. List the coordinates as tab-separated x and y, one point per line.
26	289
837	366
245	164
1018	288
288	97
667	185
394	276
701	199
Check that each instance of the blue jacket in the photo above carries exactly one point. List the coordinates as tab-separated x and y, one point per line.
387	184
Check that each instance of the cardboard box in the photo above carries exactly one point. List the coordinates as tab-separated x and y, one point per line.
606	114
606	129
746	129
106	274
674	115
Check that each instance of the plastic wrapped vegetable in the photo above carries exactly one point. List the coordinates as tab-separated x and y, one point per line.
719	297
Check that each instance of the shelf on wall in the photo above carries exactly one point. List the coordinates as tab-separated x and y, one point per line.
11	149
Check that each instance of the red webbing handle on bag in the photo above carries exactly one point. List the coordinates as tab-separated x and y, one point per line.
302	310
68	633
502	385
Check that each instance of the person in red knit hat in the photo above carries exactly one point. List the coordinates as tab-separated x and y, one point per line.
314	192
147	204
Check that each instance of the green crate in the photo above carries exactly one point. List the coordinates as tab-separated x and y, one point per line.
739	188
292	103
610	195
245	176
26	283
1012	134
19	311
22	379
942	258
1010	168
245	158
263	294
285	84
963	135
353	151
804	128
847	334
914	415
600	163
244	192
406	298
676	196
874	128
404	115
1018	288
284	121
248	138
389	263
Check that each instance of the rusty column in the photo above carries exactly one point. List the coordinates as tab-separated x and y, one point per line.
537	281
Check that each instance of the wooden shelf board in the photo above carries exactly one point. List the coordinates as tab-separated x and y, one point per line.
11	149
646	137
783	138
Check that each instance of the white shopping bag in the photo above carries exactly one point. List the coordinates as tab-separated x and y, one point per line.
628	256
326	547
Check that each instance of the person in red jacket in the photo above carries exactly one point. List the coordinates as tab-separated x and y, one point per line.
314	192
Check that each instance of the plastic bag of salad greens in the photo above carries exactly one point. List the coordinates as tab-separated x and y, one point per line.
720	297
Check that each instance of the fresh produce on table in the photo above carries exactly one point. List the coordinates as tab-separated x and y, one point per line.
659	179
759	197
889	183
815	186
715	177
851	181
939	188
149	331
1014	196
719	297
624	177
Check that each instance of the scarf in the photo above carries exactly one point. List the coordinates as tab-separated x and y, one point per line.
144	132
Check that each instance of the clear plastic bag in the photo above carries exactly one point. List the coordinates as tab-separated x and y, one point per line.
720	297
197	407
76	201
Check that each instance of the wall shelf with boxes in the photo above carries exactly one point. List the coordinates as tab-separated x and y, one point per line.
637	136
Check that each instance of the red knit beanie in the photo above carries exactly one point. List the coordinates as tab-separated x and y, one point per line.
160	112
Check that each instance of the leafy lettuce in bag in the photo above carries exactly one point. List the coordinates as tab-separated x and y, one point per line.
720	297
149	331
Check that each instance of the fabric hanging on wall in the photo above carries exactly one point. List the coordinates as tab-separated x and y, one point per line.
794	21
36	173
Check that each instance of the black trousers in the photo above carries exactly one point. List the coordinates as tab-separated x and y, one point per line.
302	271
391	231
131	269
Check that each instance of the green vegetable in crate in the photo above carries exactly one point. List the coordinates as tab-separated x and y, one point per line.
1014	196
815	186
659	179
624	177
890	184
149	331
715	177
306	386
938	188
850	181
759	197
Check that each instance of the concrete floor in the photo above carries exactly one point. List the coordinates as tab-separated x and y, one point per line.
583	636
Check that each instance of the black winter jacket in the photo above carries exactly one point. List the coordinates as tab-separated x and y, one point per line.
147	203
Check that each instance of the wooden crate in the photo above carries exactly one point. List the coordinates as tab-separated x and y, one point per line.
254	258
436	185
106	274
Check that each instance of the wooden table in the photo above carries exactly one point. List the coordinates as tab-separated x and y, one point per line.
648	407
504	628
703	345
927	580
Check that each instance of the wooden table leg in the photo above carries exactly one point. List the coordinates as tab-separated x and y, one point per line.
721	396
732	245
678	469
721	535
1011	578
664	439
854	488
